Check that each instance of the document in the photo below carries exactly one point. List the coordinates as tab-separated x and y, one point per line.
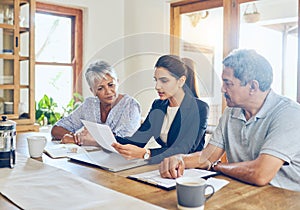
63	150
110	161
102	134
108	158
154	178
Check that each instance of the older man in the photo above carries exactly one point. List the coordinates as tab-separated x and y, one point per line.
259	130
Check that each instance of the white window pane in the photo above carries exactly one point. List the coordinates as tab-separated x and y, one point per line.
53	38
24	101
56	82
290	73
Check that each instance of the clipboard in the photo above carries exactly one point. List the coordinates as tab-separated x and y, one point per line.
153	177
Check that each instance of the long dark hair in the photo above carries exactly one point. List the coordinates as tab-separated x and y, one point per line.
178	68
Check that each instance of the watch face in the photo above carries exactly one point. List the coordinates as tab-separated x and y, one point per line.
146	156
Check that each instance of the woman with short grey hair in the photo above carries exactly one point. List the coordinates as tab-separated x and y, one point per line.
120	112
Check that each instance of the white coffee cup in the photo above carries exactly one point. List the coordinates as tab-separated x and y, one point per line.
191	192
36	145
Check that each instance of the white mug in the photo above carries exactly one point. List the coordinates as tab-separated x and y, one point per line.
191	192
36	145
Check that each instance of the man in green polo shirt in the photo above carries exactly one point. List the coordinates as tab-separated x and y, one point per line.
259	130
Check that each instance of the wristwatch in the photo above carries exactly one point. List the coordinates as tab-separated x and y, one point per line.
147	154
214	164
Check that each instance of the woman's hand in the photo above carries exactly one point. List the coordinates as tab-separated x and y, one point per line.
81	138
85	138
129	151
68	138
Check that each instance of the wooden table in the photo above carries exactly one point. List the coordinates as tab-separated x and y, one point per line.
235	195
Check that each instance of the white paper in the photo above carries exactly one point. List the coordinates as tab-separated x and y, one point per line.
102	134
63	150
108	160
216	183
37	186
153	177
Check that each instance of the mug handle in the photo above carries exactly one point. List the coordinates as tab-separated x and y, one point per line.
213	191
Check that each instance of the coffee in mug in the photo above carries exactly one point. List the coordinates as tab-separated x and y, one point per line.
36	145
191	192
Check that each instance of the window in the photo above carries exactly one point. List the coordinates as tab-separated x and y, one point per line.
58	53
276	37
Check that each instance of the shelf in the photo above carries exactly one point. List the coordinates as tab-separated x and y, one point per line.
18	63
7	56
24	29
11	2
26	128
23	58
24	86
7	2
10	116
6	26
7	87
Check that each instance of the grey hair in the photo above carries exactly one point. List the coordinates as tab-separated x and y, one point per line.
98	70
248	65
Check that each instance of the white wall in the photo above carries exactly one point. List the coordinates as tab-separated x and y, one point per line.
146	29
129	34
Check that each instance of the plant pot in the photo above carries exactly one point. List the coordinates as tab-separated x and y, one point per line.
251	17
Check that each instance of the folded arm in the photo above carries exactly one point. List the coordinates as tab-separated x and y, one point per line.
258	172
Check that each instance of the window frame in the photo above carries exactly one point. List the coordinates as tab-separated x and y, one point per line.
231	25
77	40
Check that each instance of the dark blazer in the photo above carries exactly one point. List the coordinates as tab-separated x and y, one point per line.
186	134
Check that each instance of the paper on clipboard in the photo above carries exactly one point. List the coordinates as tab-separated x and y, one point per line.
154	178
102	134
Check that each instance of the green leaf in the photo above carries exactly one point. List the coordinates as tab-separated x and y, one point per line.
46	108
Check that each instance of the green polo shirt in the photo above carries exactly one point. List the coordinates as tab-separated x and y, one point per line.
274	130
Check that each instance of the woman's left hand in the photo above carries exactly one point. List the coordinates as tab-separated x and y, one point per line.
129	151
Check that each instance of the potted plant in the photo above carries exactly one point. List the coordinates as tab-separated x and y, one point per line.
73	104
251	15
45	113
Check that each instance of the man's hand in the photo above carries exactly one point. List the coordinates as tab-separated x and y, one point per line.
172	167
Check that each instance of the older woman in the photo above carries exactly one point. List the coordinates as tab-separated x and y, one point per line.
120	112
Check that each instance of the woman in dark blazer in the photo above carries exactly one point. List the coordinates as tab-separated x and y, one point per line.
177	120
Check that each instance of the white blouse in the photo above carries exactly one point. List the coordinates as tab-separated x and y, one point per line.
169	117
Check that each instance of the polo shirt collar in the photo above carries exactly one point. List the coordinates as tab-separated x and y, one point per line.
270	102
